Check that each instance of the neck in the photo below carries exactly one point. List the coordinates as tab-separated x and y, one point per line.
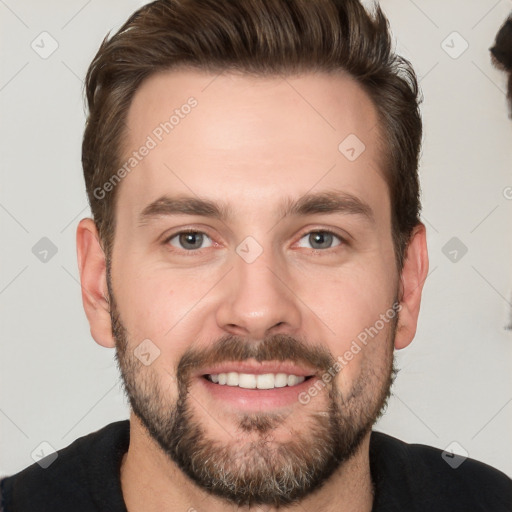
151	481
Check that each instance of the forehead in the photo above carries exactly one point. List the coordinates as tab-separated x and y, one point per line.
251	139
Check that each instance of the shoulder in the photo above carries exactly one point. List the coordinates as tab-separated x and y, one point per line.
434	479
68	480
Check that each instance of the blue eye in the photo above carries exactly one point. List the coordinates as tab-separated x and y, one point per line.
320	240
190	240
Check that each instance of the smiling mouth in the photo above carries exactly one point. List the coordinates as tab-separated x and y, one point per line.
256	381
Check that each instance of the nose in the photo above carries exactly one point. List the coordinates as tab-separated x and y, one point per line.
258	300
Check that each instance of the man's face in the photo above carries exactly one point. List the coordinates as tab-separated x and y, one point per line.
248	242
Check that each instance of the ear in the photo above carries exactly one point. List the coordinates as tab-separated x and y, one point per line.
413	277
92	266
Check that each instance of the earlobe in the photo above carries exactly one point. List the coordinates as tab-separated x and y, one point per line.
93	279
414	274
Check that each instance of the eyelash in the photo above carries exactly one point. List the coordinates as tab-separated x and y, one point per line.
343	241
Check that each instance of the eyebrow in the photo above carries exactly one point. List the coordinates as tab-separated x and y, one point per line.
166	205
329	202
309	204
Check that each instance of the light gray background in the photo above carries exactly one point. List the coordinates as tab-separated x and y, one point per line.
455	384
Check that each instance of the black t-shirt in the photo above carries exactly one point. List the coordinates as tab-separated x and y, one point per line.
407	477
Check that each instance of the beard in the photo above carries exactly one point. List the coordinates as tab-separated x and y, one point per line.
255	469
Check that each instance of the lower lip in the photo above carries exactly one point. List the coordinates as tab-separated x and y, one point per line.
256	399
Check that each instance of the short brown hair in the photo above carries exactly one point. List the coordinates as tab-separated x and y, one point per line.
262	37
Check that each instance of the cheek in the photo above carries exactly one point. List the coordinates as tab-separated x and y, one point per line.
354	311
161	305
141	300
348	299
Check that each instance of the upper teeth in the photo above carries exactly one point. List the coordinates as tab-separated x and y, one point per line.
252	381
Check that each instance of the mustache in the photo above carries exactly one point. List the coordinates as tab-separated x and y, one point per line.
277	347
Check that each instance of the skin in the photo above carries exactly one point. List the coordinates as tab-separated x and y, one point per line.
250	143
